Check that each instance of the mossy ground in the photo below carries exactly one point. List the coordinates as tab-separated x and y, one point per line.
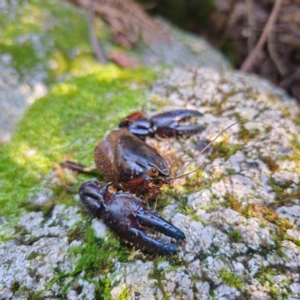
67	123
48	36
231	279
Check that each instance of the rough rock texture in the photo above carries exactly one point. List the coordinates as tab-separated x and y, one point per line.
40	247
240	211
15	96
241	214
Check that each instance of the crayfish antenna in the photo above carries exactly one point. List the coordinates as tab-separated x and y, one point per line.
179	174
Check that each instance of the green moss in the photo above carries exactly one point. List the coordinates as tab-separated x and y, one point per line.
244	134
219	104
33	255
97	253
103	288
20	292
160	102
296	148
265	277
231	279
95	258
183	208
271	163
224	150
195	180
34	295
283	197
49	36
125	294
267	215
235	236
213	295
231	201
278	189
5	233
165	197
76	233
189	211
297	121
67	123
230	171
15	286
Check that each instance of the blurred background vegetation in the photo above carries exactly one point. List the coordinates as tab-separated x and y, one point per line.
234	27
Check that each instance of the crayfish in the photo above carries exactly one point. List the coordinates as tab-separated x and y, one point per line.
131	166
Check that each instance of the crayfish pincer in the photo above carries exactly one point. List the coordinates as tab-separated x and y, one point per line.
125	215
164	125
132	166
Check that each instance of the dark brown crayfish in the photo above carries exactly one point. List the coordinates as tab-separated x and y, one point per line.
131	165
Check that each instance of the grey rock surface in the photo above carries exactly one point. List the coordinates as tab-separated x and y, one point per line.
40	247
16	95
240	218
234	224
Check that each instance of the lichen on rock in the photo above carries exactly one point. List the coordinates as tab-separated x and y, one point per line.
239	210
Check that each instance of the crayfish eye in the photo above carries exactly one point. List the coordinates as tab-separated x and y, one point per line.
153	172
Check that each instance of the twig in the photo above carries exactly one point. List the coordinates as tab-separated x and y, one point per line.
247	64
94	41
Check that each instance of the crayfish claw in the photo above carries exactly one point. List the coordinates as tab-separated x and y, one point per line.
163	125
168	125
175	115
148	243
153	220
126	216
137	124
92	195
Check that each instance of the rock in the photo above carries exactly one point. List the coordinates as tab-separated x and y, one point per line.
133	277
99	227
225	292
239	211
32	265
292	213
295	288
177	282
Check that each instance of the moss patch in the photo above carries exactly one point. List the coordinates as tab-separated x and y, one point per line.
271	163
97	253
103	288
235	236
96	258
265	277
47	36
67	123
224	150
231	279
